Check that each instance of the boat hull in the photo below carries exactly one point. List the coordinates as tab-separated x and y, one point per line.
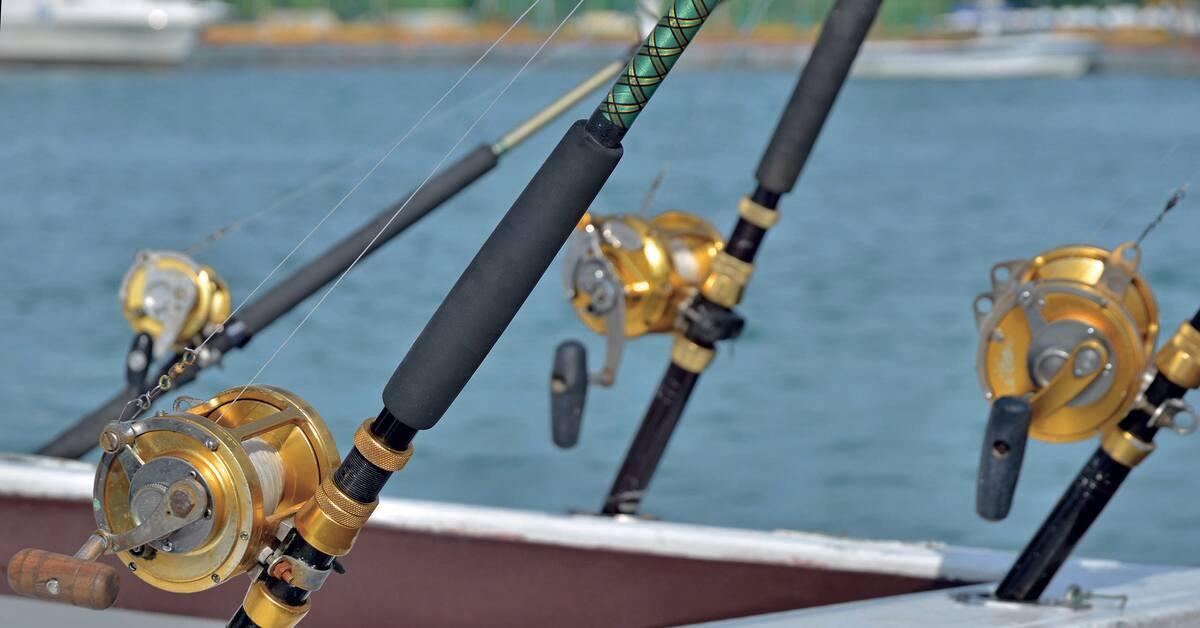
453	580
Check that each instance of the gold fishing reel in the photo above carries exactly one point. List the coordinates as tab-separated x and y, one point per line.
626	276
171	298
1070	331
190	499
643	268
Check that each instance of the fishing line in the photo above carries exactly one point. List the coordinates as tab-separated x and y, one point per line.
191	354
312	183
432	172
1130	196
1171	203
371	171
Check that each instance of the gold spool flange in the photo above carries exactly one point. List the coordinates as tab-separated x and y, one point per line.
209	438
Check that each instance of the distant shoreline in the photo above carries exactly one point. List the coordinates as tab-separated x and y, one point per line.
1112	58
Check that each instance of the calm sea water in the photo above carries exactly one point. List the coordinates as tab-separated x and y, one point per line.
849	406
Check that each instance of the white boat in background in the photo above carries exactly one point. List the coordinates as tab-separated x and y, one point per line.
998	56
155	32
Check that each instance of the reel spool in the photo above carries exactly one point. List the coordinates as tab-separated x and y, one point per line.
1064	339
171	298
625	276
190	499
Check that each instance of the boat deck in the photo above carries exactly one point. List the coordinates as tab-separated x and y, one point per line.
1166	598
19	612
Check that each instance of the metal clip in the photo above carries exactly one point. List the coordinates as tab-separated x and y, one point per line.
1164	417
1077	599
298	573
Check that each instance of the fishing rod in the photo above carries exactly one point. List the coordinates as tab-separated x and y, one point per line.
1160	405
242	483
164	294
674	273
1066	352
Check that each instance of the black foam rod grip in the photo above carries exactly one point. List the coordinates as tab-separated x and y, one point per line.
496	283
1000	457
568	392
818	87
311	277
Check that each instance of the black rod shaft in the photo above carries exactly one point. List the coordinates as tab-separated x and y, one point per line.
791	144
1082	503
80	437
504	272
1070	519
651	441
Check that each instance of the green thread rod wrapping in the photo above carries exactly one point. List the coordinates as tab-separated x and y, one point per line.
654	59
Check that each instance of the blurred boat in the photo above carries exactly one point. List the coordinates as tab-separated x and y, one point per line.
1000	56
155	32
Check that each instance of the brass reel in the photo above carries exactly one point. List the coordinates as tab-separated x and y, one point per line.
190	499
172	298
1071	332
625	276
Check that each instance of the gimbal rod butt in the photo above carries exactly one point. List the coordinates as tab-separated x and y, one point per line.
1074	513
1001	456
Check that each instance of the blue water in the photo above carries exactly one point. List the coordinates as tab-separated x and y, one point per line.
849	406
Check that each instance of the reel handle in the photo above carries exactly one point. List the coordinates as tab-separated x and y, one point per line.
568	392
1001	456
60	578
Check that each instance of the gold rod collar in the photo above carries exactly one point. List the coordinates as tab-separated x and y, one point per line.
1125	448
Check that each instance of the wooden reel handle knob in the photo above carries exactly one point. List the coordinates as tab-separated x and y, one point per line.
60	578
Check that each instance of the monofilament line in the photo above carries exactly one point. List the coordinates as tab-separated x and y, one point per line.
371	171
312	183
428	177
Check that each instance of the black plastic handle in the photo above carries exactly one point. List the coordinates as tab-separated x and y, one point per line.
1000	457
487	296
568	392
